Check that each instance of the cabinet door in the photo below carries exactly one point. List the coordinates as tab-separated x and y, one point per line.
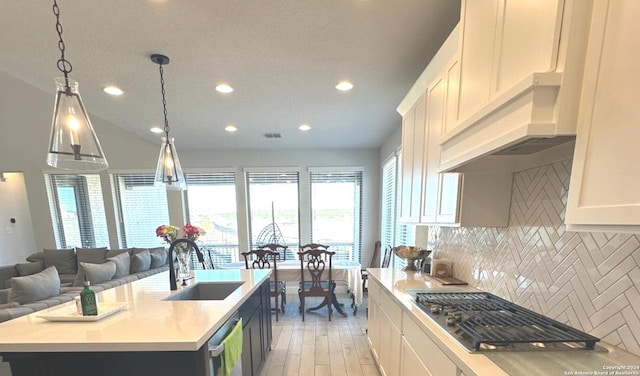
413	128
479	18
390	340
449	198
373	327
441	197
528	40
451	116
426	349
435	115
410	363
605	178
406	166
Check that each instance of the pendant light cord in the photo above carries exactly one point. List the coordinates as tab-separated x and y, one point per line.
63	64
164	103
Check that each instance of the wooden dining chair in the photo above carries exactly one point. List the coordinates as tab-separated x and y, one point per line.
281	250
375	261
315	278
265	259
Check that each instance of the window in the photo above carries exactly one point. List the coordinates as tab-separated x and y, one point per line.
77	210
336	211
140	208
388	206
273	209
210	203
403	234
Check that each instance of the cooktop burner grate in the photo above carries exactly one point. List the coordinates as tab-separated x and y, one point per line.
488	319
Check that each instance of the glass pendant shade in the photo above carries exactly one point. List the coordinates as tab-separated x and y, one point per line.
73	144
169	172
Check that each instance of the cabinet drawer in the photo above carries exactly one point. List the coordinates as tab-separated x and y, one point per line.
392	309
428	352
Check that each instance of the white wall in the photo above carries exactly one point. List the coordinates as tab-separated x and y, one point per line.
16	239
25	120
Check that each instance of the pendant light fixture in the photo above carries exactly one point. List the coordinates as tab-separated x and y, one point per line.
168	171
73	144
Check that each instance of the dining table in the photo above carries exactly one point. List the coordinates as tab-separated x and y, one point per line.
341	270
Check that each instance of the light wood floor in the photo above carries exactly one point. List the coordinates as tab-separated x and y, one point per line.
318	347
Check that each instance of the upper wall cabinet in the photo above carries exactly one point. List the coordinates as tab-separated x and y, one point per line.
455	199
605	177
512	77
413	128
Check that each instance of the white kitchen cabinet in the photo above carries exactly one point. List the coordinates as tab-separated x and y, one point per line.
502	43
479	22
452	198
374	320
413	130
513	89
384	331
410	361
424	350
605	177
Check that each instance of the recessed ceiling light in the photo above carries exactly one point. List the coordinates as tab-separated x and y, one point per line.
224	88
344	86
230	128
304	127
156	130
112	90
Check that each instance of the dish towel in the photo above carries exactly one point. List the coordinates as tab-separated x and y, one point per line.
232	349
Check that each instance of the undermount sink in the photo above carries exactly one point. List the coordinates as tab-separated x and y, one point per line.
207	291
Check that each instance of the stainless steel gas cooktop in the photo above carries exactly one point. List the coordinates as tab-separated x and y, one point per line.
484	322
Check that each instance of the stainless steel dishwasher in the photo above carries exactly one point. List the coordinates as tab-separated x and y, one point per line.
216	349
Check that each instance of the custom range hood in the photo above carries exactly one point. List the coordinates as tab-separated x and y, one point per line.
532	116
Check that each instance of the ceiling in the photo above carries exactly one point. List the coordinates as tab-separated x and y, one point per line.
283	57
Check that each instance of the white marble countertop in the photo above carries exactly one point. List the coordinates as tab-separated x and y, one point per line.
148	324
548	363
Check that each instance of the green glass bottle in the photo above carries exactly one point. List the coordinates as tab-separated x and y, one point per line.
88	301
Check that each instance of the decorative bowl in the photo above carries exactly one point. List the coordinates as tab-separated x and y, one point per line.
411	254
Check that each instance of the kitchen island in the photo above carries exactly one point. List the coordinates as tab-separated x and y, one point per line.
405	340
153	335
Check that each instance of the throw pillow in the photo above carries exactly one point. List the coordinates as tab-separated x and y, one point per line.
140	261
9	305
158	257
36	257
35	287
28	268
91	255
123	264
63	259
115	252
4	295
95	273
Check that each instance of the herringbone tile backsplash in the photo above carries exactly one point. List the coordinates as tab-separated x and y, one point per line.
590	281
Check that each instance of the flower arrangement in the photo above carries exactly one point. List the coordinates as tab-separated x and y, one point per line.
192	232
170	233
167	232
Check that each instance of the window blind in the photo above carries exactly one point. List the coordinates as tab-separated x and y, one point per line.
273	208
388	205
77	210
140	208
336	212
404	234
210	203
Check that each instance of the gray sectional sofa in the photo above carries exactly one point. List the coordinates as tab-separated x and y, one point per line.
56	276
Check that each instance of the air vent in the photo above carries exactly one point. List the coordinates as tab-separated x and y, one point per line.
272	135
534	145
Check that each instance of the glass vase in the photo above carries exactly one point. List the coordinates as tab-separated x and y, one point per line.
183	255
